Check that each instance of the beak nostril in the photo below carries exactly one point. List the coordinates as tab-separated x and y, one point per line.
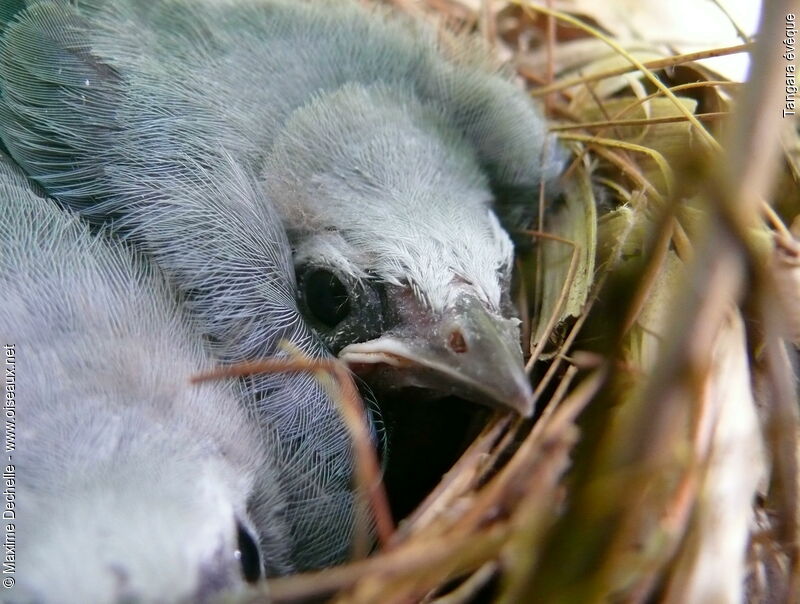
456	342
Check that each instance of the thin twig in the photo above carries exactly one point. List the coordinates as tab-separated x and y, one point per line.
639	122
650	65
351	407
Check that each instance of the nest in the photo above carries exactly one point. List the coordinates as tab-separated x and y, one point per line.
660	298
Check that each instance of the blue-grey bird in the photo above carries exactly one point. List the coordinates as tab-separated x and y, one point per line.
384	158
144	159
129	483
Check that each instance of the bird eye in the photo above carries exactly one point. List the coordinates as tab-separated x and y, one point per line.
326	297
247	553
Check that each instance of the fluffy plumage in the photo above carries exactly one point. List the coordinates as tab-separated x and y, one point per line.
113	139
131	482
381	156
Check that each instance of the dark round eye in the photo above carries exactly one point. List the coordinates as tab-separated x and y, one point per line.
248	554
326	297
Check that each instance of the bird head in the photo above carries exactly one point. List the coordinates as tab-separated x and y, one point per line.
402	266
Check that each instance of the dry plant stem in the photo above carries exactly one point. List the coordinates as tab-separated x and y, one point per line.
651	65
650	275
455	482
560	393
610	142
641	101
410	588
782	430
599	284
469	589
620	191
591	89
507	446
682	243
669	395
631	171
750	171
680	87
568	341
717	275
526	455
556	364
704	135
774	220
554	439
537	278
755	142
535	468
551	61
451	553
696	319
625	160
676	516
523	304
536	350
573	333
716	115
739	31
534	516
665	236
351	408
661	243
567	412
487	24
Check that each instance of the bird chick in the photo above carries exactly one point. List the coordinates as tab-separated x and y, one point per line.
132	149
385	160
131	484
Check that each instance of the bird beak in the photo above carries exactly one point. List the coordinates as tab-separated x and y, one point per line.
466	352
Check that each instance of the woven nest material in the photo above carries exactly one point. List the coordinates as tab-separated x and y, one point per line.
661	305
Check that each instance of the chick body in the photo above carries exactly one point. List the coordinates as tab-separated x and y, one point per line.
130	483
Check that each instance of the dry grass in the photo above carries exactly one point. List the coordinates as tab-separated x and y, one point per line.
661	320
